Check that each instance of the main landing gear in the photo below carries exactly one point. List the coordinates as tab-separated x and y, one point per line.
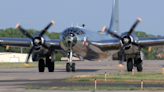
137	63
42	65
70	65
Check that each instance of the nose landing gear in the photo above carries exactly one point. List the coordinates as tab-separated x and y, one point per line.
70	65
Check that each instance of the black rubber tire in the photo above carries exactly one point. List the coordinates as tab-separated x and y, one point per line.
139	65
68	67
73	67
129	65
50	66
41	67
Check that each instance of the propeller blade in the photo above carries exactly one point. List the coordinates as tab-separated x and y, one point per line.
104	27
121	60
115	35
31	50
23	31
138	45
41	34
45	46
125	45
122	51
135	24
135	44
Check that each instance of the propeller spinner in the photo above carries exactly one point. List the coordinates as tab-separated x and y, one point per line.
35	40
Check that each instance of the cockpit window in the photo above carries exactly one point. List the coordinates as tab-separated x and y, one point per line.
73	30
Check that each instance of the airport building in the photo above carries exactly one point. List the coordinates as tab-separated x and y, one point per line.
13	57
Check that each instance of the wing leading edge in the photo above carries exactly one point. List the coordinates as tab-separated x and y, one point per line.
110	44
151	41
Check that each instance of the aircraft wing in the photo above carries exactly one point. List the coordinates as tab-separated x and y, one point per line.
55	44
151	41
27	43
16	42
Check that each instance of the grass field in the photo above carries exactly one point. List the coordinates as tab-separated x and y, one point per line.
153	78
21	65
93	88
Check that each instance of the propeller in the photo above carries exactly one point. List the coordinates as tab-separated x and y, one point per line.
126	40
35	41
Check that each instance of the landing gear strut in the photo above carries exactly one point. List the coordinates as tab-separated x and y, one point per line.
70	65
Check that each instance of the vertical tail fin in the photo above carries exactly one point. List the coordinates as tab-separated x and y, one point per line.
114	23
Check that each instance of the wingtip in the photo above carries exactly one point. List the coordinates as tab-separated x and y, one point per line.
139	19
52	22
26	64
17	25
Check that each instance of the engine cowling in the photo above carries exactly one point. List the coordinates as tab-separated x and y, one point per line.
127	42
39	40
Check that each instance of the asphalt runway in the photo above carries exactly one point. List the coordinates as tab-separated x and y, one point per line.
16	79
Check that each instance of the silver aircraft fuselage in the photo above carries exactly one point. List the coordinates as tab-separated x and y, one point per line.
86	49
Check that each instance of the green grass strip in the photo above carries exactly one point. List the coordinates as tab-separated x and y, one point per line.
137	76
93	88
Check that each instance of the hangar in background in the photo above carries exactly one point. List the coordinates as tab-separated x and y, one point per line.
13	57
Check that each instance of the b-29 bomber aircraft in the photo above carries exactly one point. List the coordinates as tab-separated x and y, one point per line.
85	44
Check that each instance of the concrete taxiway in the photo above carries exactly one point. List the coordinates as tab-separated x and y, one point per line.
16	79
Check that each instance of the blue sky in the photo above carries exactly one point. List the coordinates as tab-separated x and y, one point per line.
36	14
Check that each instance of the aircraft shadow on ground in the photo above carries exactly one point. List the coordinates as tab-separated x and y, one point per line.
79	70
61	70
17	72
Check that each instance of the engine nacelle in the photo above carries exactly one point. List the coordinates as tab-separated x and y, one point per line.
129	49
38	41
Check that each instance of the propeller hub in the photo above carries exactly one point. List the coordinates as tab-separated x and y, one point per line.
37	41
126	40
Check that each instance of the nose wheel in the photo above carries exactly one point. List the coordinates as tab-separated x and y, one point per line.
69	67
